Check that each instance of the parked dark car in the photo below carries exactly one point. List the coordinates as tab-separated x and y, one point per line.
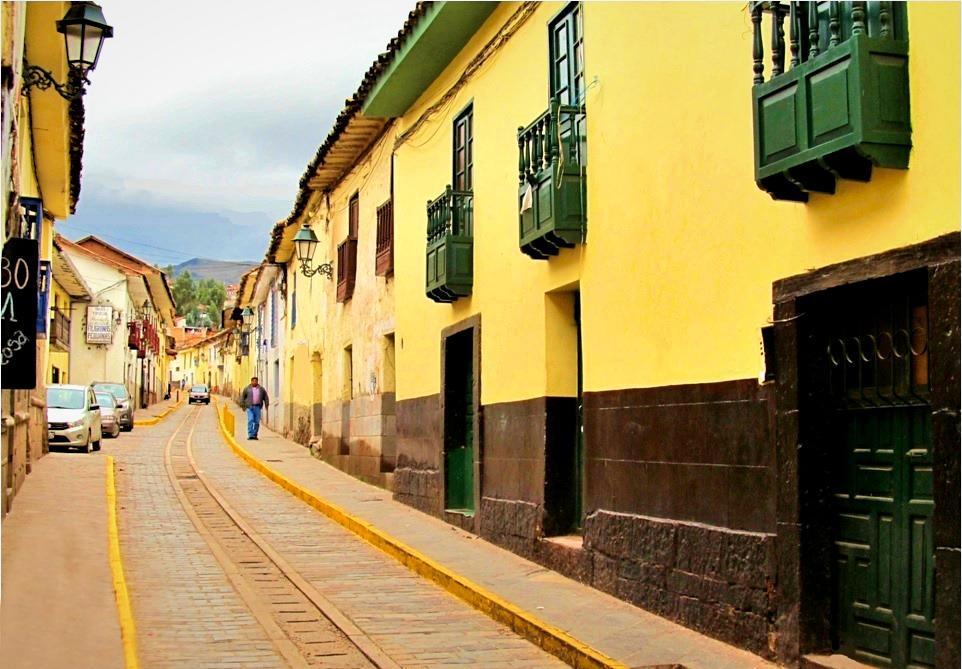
125	405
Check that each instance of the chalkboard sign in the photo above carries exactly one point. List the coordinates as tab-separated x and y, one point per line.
18	297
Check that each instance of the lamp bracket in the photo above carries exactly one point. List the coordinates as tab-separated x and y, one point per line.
34	75
327	269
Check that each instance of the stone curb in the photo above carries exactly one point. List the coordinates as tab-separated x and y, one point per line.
128	631
547	637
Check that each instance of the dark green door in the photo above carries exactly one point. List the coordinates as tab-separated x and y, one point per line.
882	479
459	422
579	464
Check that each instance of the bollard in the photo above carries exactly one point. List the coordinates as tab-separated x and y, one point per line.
228	419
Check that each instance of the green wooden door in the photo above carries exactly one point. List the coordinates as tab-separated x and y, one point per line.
881	479
459	423
883	542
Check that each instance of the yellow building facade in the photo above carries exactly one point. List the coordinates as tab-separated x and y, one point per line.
654	371
339	339
673	306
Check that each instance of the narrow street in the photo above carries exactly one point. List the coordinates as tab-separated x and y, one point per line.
227	569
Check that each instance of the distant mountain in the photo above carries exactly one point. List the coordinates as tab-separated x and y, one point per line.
226	271
162	234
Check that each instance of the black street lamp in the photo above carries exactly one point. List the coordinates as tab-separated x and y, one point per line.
84	30
305	243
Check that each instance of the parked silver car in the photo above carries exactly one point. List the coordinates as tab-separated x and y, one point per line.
125	405
108	413
73	417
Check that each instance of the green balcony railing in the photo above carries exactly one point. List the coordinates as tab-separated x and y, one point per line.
552	155
841	107
450	247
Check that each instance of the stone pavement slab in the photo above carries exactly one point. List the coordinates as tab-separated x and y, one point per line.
617	629
186	611
411	619
57	607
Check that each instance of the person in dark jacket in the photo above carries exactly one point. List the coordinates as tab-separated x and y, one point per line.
254	398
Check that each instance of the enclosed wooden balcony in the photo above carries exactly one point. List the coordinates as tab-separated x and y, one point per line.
60	331
841	107
135	335
384	258
346	268
450	246
552	155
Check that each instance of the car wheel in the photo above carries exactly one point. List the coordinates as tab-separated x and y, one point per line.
116	432
97	443
86	447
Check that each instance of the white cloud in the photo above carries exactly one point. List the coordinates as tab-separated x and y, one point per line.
221	105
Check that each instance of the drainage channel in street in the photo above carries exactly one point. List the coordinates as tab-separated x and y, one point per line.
306	628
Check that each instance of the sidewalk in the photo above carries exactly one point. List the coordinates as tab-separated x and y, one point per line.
620	631
58	607
156	412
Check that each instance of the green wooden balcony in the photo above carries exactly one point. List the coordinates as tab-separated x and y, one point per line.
552	157
450	249
842	106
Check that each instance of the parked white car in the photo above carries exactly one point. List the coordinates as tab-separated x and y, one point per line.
109	418
73	417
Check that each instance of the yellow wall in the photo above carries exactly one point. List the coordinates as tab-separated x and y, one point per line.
60	300
326	326
705	242
682	247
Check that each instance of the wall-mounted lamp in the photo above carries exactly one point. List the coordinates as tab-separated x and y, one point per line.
84	30
305	243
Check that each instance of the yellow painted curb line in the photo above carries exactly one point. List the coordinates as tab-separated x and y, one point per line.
153	420
128	632
549	638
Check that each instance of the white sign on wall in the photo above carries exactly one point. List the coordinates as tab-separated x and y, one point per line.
100	322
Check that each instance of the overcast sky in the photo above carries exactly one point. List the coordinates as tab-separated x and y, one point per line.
210	110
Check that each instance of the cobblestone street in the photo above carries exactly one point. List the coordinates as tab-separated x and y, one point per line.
227	569
189	614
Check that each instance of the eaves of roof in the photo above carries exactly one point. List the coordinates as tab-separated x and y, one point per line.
347	118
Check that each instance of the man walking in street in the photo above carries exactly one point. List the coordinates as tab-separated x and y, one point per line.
253	399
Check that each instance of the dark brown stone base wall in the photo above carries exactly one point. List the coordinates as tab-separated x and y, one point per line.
417	476
701	453
420	488
680	496
511	524
716	581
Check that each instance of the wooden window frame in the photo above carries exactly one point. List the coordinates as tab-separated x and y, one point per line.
347	251
569	18
463	180
384	254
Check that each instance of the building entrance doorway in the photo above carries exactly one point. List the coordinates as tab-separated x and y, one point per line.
564	429
459	421
866	378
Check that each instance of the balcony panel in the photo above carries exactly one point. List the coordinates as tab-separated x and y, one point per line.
837	115
552	182
449	259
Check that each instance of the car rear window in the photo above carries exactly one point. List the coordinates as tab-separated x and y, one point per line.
118	390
